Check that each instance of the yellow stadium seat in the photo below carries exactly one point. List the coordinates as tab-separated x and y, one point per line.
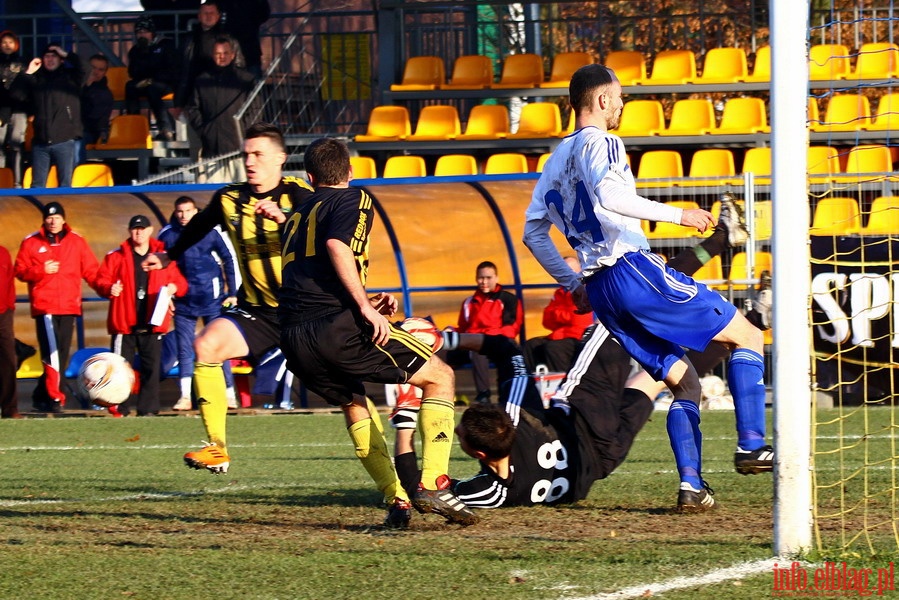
486	122
823	162
363	167
641	118
629	66
763	219
404	166
657	167
691	117
569	129
387	124
758	162
672	230
724	65
437	122
711	273
116	78
761	70
128	132
470	72
31	368
7	178
828	62
743	115
506	162
877	60
836	215
456	164
868	162
542	161
538	120
884	216
520	71
421	73
712	162
738	268
92	175
813	114
845	112
887	116
673	67
563	67
52	178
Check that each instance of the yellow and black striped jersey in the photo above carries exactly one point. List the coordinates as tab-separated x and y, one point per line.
256	240
310	282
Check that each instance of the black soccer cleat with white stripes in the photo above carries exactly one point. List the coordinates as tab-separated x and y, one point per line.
691	500
444	503
752	462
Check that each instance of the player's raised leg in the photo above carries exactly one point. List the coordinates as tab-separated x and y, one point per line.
219	341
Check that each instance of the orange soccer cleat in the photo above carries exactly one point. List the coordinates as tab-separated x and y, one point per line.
209	457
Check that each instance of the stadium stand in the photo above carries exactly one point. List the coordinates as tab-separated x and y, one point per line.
387	123
884	216
641	118
845	112
404	166
520	71
363	167
710	163
724	65
673	67
486	122
629	66
456	164
836	215
563	67
743	115
470	72
538	120
828	62
506	162
691	117
436	122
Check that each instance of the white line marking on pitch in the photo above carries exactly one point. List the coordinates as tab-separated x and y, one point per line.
740	571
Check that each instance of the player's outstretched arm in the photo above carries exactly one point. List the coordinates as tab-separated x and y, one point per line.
155	261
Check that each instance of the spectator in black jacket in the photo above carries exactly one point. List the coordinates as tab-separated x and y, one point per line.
96	102
13	105
153	69
242	19
217	96
54	82
197	53
166	24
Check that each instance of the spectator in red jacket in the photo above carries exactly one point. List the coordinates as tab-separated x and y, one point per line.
139	306
491	311
566	327
9	407
53	261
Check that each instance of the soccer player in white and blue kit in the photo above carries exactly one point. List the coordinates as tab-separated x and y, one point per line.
587	191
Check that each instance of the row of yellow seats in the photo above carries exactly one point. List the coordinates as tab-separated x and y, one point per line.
447	165
485	122
729	65
473	72
832	215
669	67
852	112
747	115
85	175
693	117
868	162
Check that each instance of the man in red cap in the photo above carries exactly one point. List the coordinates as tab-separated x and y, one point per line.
52	261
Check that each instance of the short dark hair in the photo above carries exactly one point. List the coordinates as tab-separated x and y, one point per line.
488	429
226	39
266	130
327	160
486	265
99	57
184	200
584	83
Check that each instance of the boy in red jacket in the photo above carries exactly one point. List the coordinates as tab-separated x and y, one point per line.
139	306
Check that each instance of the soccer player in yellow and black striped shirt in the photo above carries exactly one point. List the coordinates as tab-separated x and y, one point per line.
253	215
335	337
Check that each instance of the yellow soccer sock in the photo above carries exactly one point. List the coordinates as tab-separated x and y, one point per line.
436	421
375	416
209	385
371	448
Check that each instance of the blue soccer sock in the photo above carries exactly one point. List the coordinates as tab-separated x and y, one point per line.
686	441
745	377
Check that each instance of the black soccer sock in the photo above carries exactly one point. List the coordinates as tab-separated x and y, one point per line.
407	470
